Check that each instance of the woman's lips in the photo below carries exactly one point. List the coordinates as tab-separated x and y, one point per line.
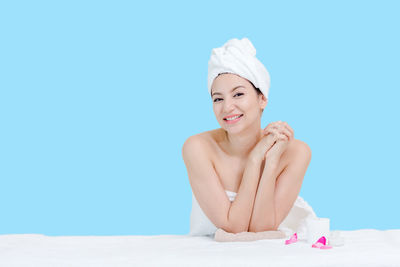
233	121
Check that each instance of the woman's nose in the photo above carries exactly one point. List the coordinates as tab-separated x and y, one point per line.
228	106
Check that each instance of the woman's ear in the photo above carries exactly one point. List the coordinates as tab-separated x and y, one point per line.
263	101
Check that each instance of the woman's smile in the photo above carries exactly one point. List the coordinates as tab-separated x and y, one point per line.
233	119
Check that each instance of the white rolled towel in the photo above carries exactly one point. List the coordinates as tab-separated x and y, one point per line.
238	57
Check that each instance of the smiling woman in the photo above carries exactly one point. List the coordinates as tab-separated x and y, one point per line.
244	178
229	104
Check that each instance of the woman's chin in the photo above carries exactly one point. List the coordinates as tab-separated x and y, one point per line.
232	129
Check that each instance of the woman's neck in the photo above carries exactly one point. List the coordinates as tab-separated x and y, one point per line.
241	144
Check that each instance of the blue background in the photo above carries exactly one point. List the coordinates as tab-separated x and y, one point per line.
98	97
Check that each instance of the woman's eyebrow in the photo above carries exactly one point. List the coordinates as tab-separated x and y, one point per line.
217	93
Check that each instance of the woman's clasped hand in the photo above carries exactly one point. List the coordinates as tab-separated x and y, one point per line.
274	142
280	128
284	134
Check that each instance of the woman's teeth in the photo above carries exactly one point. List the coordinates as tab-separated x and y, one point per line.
233	118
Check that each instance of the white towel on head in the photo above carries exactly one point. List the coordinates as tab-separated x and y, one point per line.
238	57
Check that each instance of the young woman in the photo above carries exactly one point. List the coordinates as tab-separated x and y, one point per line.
243	177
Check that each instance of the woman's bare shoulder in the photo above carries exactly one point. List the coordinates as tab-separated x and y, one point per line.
209	137
297	146
207	140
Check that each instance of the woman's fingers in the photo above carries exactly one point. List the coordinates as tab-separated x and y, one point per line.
273	131
289	128
279	135
279	126
288	134
281	130
286	126
283	137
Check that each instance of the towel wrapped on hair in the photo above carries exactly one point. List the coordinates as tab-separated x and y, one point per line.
238	57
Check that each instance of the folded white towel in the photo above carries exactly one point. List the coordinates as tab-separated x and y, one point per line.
238	57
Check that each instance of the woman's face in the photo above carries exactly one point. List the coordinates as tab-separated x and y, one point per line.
234	95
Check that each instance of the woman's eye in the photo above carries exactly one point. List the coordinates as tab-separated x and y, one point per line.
217	99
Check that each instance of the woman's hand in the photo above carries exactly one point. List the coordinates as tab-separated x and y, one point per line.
279	128
285	133
260	150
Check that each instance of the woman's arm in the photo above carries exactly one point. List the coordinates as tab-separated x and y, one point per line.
273	202
263	213
233	216
242	207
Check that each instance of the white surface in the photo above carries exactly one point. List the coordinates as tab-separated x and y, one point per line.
366	247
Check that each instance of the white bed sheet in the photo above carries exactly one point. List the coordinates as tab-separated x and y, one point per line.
365	247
